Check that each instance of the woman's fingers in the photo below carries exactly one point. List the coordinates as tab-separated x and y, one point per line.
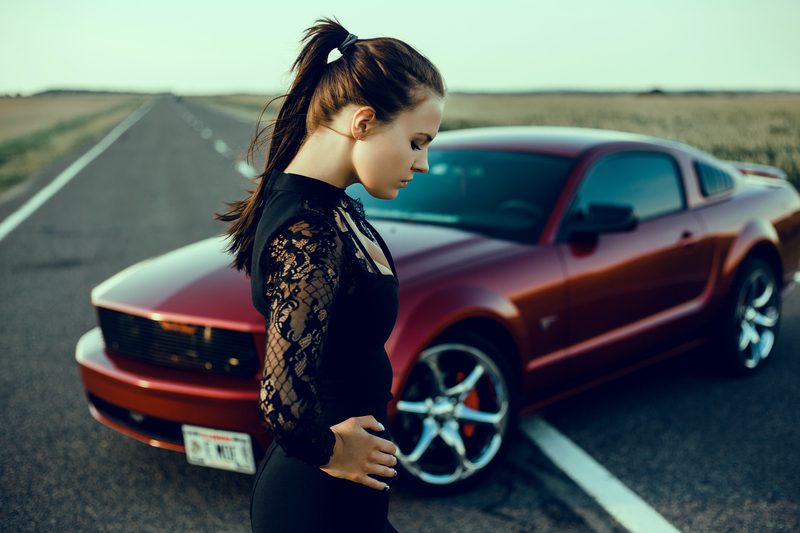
372	483
384	458
382	464
382	470
386	446
369	422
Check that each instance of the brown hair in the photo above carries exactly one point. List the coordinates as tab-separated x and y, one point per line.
383	72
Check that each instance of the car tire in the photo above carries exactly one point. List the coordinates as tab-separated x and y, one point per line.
451	435
749	322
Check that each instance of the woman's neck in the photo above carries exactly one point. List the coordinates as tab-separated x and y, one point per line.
324	156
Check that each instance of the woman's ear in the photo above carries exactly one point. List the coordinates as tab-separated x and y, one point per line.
363	122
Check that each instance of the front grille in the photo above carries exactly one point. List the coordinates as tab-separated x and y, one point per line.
200	348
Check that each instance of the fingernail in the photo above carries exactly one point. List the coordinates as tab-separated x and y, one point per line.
395	472
381	426
385	487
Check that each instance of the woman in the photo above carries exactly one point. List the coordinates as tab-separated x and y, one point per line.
324	279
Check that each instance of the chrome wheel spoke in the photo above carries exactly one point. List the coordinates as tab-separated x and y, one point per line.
465	387
762	299
767	340
752	332
432	362
419	408
467	414
767	320
744	335
429	431
452	438
754	358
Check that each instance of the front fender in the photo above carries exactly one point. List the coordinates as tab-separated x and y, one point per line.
441	309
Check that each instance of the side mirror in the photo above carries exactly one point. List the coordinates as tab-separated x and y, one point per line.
601	218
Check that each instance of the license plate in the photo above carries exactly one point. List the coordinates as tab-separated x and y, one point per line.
217	448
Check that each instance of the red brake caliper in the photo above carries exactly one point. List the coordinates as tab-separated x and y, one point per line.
470	401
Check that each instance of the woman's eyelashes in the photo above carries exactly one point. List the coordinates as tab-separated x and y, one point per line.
414	146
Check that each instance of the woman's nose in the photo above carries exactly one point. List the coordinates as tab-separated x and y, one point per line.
421	167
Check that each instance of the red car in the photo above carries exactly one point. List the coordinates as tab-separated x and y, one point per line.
534	262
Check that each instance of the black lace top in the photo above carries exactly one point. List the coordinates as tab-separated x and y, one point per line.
328	311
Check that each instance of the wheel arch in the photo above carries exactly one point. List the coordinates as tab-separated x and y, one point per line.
766	250
459	308
497	335
758	238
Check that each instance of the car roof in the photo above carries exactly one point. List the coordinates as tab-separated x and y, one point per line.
558	140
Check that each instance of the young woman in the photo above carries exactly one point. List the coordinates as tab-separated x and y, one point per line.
324	279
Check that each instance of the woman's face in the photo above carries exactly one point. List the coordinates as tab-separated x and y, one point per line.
387	154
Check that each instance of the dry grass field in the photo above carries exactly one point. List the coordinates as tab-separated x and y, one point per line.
760	128
21	116
36	130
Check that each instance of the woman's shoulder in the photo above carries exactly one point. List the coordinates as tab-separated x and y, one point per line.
308	227
282	209
297	232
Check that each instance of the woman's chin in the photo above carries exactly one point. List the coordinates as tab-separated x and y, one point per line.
390	194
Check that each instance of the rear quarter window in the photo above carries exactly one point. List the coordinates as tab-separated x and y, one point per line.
712	179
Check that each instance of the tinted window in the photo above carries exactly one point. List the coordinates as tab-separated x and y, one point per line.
506	195
713	180
649	182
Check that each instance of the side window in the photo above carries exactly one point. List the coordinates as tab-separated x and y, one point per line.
648	181
713	180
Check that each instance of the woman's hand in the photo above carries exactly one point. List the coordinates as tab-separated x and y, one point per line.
358	453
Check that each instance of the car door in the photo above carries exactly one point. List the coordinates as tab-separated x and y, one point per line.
629	292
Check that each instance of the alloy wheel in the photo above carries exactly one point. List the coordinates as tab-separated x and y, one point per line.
757	316
452	417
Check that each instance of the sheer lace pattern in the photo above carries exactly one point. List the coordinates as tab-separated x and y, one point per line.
307	267
346	222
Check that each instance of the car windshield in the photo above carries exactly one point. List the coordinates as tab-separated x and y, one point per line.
505	195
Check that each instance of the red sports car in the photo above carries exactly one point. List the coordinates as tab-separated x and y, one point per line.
534	262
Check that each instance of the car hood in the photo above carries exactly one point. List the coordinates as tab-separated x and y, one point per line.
196	284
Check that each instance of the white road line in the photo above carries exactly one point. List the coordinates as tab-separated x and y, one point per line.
620	502
220	146
28	208
246	170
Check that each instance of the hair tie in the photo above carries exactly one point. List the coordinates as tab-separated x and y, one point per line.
347	43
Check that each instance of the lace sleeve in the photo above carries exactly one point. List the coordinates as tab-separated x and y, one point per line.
306	264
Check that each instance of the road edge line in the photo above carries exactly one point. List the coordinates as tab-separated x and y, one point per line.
611	494
45	193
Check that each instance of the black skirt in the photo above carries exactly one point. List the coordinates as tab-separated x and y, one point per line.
289	495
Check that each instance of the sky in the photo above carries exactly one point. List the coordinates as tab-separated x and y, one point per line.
249	46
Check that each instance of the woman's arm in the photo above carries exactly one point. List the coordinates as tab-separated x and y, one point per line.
307	262
307	258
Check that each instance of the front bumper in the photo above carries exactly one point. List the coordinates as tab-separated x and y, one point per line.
150	403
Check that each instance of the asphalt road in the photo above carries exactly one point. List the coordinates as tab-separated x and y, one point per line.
707	453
